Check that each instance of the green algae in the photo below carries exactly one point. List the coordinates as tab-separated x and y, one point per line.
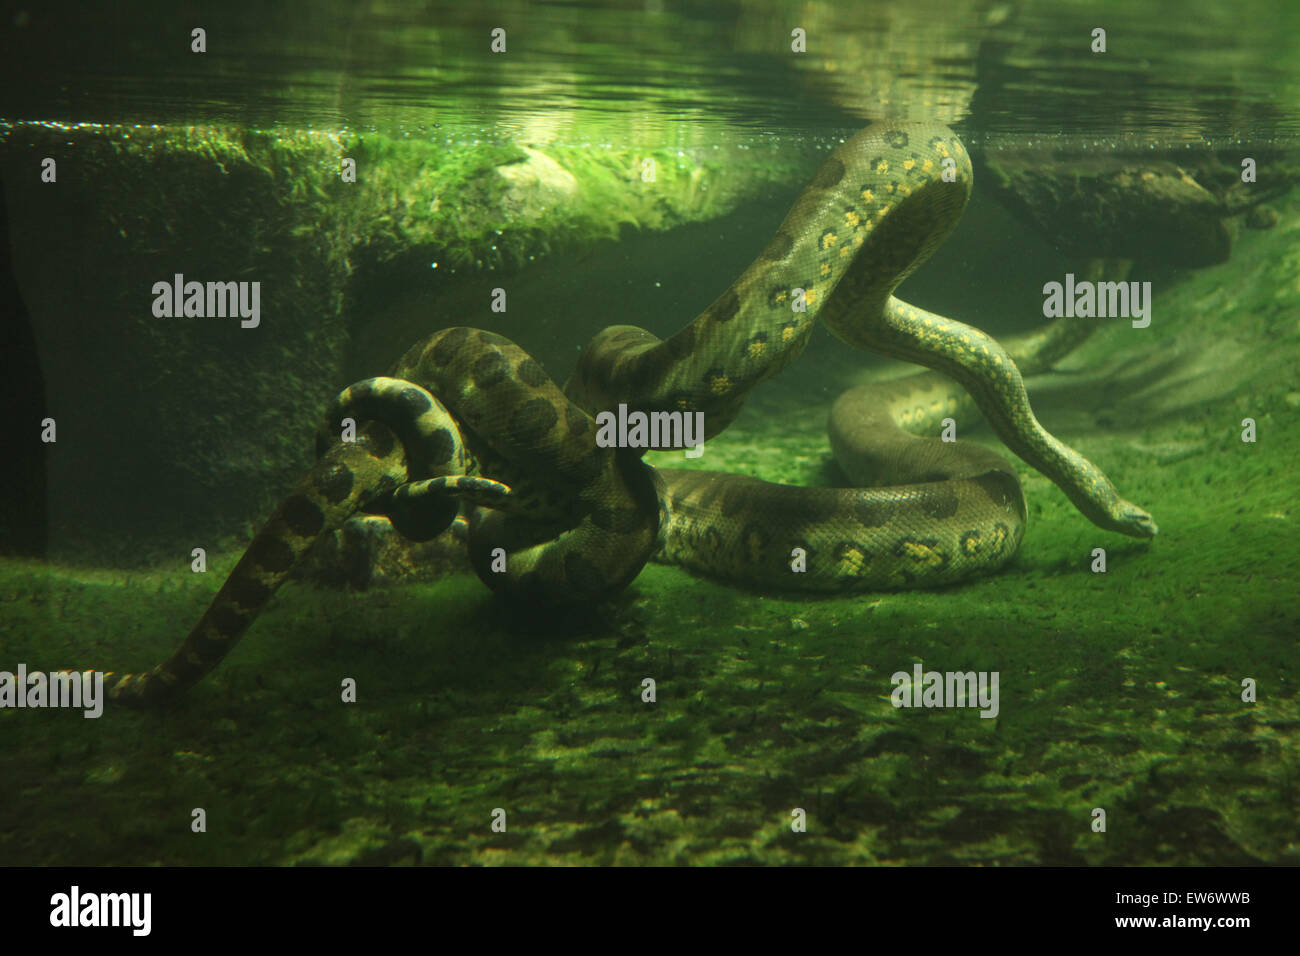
416	196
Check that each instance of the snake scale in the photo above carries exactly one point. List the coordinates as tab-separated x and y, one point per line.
468	423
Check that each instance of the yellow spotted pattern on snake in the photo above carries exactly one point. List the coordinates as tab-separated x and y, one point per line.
467	421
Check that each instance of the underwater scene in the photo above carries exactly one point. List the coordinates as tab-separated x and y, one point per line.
650	433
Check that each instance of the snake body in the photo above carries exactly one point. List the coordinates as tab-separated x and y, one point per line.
468	422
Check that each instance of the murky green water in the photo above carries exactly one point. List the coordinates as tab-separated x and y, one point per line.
623	164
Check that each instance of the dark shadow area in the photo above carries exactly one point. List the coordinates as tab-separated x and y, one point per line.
23	527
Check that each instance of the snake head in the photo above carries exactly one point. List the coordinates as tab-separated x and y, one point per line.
1134	521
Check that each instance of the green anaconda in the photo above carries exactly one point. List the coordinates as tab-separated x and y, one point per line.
467	422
